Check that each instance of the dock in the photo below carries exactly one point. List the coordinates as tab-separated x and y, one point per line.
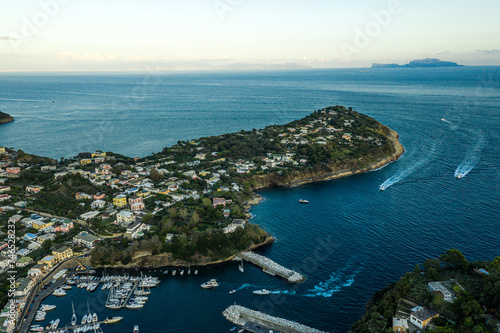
130	294
255	321
272	268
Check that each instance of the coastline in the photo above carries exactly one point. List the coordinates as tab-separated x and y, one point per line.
161	260
326	176
5	118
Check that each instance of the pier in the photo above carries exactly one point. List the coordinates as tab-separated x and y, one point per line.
130	294
255	321
272	268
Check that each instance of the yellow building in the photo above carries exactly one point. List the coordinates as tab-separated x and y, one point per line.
96	154
85	161
48	260
164	191
120	200
62	253
204	173
2	150
38	225
144	193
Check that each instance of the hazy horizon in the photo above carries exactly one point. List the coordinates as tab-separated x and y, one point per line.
65	35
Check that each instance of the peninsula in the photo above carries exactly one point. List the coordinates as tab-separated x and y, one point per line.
422	63
5	118
186	205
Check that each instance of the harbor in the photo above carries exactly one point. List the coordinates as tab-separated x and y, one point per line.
258	322
125	292
272	268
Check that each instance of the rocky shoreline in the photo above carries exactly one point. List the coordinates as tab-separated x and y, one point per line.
5	118
325	176
164	260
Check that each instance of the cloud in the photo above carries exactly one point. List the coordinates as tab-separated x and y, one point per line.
494	51
6	37
73	56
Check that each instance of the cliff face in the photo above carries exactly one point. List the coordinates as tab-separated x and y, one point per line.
297	179
5	118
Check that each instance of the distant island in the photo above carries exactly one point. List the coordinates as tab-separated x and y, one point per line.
5	118
422	63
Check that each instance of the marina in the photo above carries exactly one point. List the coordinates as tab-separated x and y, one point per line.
125	292
272	268
255	321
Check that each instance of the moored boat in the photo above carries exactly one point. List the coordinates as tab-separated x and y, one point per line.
304	201
112	320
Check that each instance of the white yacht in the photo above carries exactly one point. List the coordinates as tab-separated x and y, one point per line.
210	284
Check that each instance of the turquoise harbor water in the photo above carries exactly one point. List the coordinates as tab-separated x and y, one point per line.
351	239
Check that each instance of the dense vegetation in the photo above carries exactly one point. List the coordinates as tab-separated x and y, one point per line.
473	310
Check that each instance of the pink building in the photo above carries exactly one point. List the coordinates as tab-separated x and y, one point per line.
13	170
218	202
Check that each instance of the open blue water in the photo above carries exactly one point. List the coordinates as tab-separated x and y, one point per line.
351	239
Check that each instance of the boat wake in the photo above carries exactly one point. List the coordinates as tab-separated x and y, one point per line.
245	286
340	279
283	292
405	173
472	158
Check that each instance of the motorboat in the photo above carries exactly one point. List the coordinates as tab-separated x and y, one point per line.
232	291
112	320
262	292
210	284
136	329
303	201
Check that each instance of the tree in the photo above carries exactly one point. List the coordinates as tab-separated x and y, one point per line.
194	220
155	175
207	202
454	258
183	214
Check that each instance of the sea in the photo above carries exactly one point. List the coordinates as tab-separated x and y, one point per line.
351	240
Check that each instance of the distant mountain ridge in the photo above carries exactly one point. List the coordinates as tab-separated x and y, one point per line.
421	63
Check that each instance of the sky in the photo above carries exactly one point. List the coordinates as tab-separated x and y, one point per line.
88	35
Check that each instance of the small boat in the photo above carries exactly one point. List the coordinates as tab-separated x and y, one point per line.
233	329
210	284
182	273
240	267
459	176
84	319
47	307
94	317
174	272
196	272
36	328
232	291
112	320
55	324
261	292
165	272
49	326
136	329
303	201
59	292
74	320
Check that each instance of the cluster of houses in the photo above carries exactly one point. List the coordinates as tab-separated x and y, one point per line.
420	317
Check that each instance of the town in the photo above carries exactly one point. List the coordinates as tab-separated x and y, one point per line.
185	205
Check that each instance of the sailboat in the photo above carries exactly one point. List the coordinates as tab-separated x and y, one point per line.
74	320
241	267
